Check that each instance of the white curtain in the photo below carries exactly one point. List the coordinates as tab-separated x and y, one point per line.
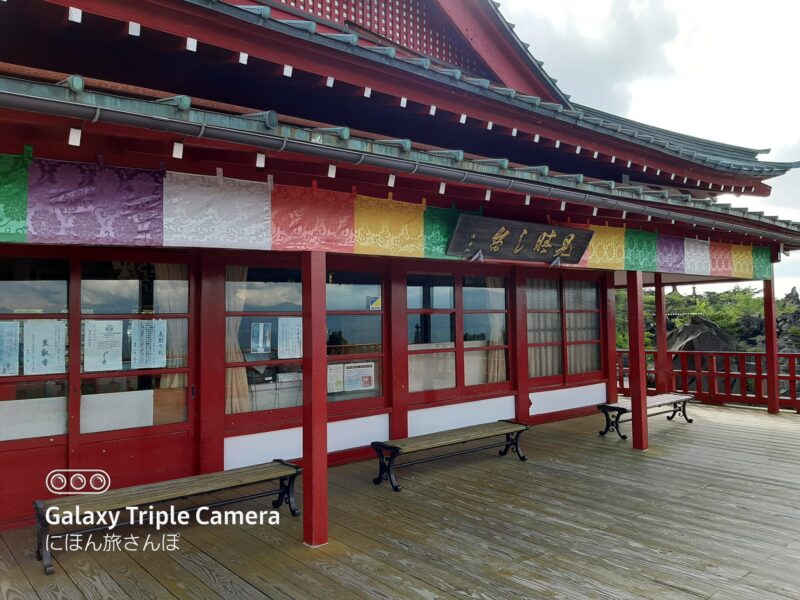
237	394
170	297
496	360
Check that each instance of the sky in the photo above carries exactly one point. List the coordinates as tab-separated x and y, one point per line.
718	69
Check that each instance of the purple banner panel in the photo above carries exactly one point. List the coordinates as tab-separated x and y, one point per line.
78	203
670	250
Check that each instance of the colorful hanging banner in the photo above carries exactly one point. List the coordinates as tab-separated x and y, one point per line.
386	227
439	226
202	211
697	257
607	248
312	219
670	251
641	250
13	197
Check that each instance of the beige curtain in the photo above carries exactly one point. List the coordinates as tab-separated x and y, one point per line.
237	394
496	361
170	297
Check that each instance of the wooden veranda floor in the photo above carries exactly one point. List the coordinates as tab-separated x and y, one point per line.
712	510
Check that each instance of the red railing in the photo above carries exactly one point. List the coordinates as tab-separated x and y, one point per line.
718	377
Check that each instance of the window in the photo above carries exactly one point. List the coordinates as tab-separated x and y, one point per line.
135	332
564	334
33	349
355	335
431	332
264	339
485	330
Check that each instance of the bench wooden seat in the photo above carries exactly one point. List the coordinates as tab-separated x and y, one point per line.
614	412
389	451
166	491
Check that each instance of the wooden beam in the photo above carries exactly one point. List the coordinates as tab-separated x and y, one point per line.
519	348
663	380
315	401
637	375
771	343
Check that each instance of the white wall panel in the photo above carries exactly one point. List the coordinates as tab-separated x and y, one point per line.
567	398
452	416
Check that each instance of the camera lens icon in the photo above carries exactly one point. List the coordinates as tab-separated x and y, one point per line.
65	482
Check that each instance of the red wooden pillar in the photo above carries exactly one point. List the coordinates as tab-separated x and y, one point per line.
611	338
210	394
771	342
519	349
637	375
398	347
315	401
663	383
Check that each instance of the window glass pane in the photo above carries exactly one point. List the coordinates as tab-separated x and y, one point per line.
431	371
354	334
134	344
484	293
583	358
354	379
255	289
431	331
543	294
249	389
583	326
112	403
117	287
580	295
484	329
544	328
544	361
354	291
33	286
484	366
33	347
33	409
429	291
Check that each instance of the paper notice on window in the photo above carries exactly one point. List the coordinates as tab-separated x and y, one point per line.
290	337
260	338
335	378
359	377
9	348
148	344
102	346
44	346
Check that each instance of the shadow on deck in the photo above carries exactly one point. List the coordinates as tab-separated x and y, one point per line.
710	511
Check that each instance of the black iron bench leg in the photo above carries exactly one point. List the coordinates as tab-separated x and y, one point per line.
386	469
676	409
290	496
609	424
686	416
42	539
512	443
278	502
616	424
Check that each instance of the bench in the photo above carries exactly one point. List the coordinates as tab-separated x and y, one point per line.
389	451
613	412
167	491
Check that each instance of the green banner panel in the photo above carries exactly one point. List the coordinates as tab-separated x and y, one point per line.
13	197
762	265
439	226
641	250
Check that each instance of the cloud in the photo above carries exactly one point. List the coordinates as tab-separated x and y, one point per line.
597	49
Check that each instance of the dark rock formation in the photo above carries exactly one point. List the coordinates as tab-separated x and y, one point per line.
700	335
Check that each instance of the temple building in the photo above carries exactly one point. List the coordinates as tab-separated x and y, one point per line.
246	230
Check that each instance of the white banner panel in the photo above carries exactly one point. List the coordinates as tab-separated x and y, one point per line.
202	211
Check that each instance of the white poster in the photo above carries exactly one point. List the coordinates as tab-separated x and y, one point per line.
44	345
102	346
9	348
148	344
335	378
290	337
359	377
260	338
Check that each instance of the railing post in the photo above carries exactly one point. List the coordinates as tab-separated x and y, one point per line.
712	378
771	343
637	376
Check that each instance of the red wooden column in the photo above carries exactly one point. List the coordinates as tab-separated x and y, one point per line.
637	375
771	343
315	401
663	383
519	339
611	338
211	374
398	347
